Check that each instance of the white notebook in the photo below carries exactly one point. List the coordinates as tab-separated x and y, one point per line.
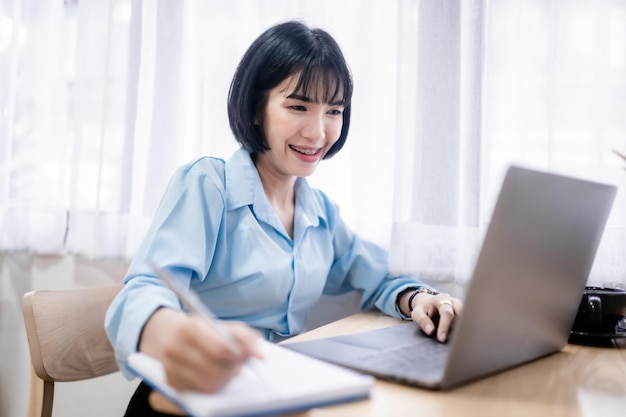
283	381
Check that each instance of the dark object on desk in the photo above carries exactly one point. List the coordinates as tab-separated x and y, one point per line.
601	316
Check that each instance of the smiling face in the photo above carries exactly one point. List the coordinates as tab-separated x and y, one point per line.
299	129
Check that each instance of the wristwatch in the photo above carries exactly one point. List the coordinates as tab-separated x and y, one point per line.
418	291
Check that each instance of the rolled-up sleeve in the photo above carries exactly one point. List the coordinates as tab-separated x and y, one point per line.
181	238
363	266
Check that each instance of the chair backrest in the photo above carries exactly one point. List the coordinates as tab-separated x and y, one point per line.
66	340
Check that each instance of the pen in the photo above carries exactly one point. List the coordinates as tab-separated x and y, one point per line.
193	303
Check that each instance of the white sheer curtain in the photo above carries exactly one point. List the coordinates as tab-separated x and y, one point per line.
555	99
100	100
33	123
142	88
536	83
437	196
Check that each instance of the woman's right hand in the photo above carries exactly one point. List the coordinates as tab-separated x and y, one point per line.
195	356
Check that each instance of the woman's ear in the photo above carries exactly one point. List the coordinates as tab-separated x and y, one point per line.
257	119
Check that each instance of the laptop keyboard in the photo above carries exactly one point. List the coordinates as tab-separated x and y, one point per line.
425	357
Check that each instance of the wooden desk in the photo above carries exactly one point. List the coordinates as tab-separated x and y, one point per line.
580	381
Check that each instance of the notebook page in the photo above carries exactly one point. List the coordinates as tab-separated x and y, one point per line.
282	380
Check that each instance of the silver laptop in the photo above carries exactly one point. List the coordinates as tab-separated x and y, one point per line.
521	301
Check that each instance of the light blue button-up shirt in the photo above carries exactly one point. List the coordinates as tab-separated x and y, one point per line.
216	231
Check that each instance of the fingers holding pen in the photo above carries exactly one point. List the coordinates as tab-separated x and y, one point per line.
194	359
246	337
195	356
217	359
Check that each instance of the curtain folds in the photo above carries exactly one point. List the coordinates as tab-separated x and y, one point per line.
549	98
101	100
437	224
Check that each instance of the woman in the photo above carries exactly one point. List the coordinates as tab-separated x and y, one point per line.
250	236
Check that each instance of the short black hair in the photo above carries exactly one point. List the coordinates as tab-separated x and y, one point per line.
283	50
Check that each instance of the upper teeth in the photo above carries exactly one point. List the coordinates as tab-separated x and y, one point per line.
305	151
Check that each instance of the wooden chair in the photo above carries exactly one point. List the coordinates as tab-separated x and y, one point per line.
66	340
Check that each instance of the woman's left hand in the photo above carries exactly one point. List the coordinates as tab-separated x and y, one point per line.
436	312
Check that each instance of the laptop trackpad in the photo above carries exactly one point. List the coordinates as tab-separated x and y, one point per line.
400	335
358	344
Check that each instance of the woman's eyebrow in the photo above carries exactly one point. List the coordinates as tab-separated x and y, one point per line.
309	100
299	97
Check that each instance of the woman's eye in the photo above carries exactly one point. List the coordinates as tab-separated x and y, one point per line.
298	108
335	112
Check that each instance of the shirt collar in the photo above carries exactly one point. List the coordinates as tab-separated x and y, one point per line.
244	187
309	207
242	179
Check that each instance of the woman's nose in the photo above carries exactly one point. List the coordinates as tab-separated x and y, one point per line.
314	128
